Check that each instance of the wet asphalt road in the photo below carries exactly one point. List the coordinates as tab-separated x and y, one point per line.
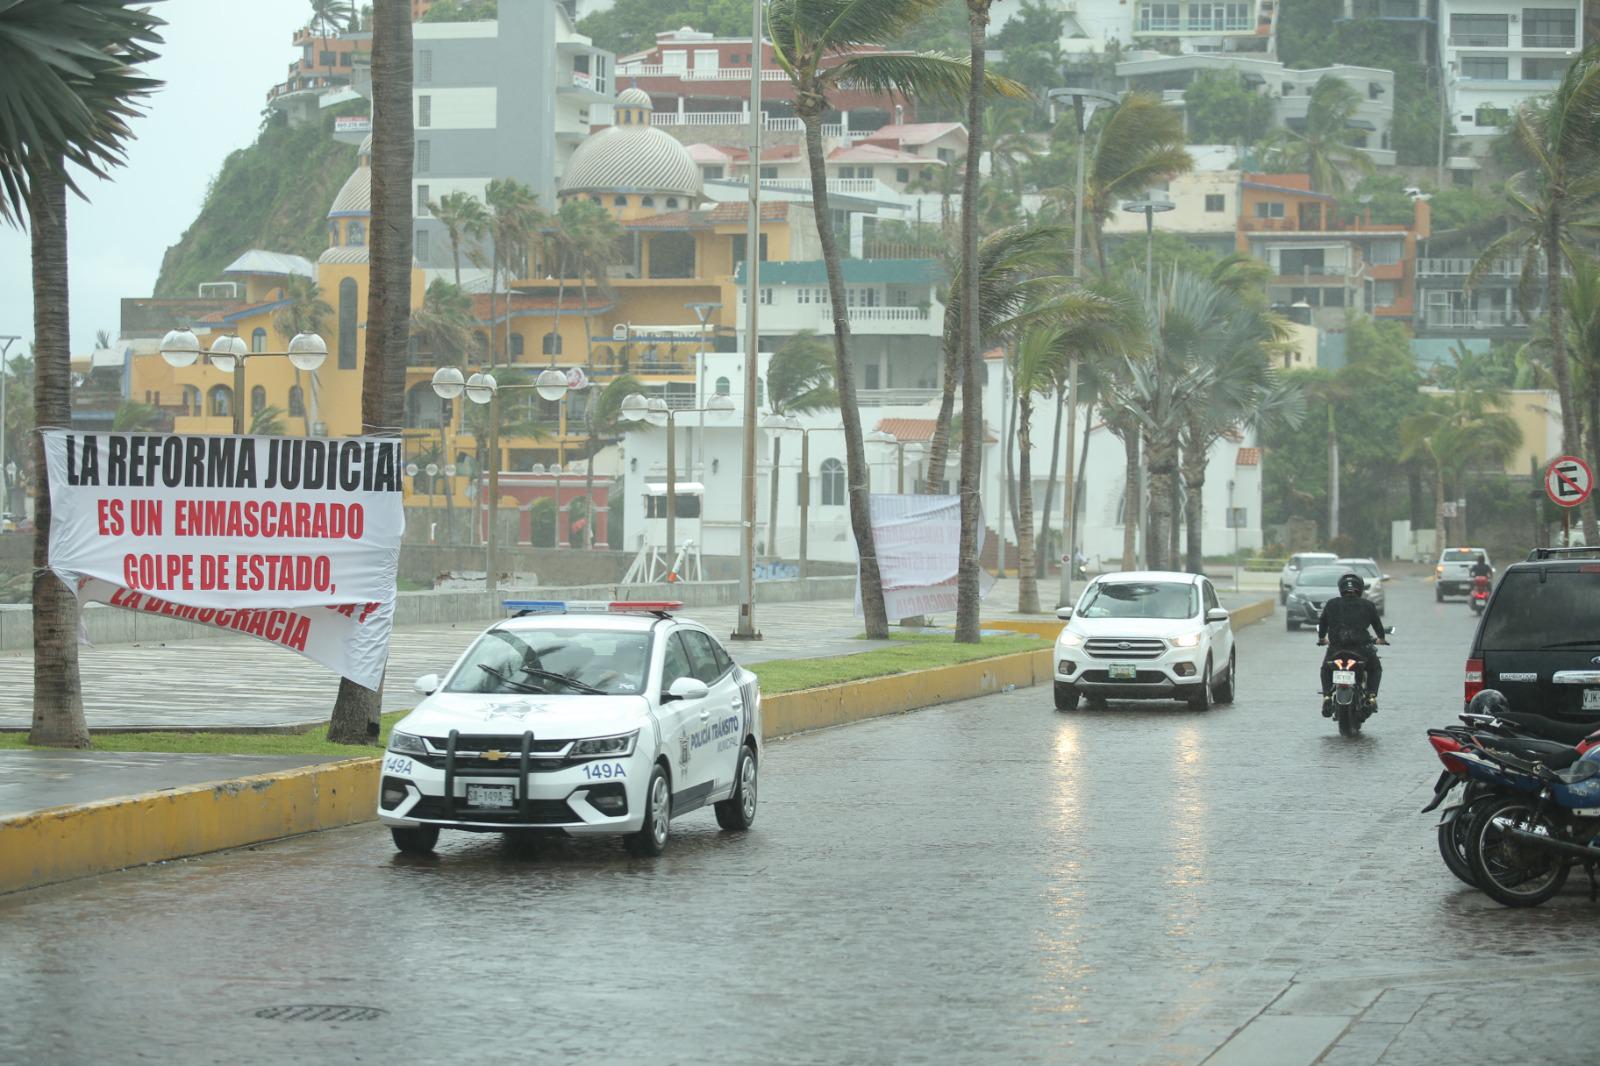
989	881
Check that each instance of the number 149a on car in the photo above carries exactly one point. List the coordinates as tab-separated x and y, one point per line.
604	770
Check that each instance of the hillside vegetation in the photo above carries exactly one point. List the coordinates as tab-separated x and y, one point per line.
274	195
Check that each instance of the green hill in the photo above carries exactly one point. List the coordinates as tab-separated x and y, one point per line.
274	195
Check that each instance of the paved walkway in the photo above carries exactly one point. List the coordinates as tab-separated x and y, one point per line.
33	779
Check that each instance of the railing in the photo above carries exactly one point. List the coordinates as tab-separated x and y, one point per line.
1223	25
700	118
900	250
1488	318
657	70
889	314
1148	25
786	125
864	186
1480	40
1500	268
1549	40
895	397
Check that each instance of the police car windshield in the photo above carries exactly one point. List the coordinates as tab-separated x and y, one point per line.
1153	599
1323	575
1528	614
555	661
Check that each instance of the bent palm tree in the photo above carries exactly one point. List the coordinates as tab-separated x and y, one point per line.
464	218
807	37
1322	148
604	420
1140	144
303	313
514	217
68	89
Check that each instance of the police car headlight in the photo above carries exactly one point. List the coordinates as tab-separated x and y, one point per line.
619	745
406	744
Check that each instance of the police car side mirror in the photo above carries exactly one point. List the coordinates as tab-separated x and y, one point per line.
1064	613
1217	614
686	688
427	684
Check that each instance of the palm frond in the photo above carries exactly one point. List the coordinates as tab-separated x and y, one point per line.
916	75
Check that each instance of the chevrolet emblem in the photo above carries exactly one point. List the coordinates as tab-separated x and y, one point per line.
494	756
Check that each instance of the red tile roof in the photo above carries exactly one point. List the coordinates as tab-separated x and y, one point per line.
776	211
917	429
914	132
669	220
1249	457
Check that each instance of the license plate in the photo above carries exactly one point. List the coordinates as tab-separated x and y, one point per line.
1122	671
1344	677
491	795
1591	699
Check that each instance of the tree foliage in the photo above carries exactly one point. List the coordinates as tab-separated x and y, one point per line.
462	11
1221	110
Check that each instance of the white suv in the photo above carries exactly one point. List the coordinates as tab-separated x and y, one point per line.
1142	636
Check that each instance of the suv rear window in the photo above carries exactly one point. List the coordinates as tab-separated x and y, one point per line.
1527	615
1460	557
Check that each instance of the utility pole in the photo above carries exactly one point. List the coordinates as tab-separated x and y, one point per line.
746	629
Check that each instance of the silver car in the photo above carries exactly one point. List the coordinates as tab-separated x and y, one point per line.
1372	574
1289	576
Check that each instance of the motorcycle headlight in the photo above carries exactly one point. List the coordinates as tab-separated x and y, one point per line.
596	746
1188	640
406	744
1069	639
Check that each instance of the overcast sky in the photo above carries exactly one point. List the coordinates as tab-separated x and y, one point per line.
219	59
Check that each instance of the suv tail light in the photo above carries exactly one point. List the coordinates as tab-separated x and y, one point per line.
1473	679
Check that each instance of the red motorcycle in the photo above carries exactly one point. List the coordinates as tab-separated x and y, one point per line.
1479	598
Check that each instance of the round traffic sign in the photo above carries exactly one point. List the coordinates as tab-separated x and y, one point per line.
1568	480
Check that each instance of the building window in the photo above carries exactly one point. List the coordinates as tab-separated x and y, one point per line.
1385	253
1491	116
1478	31
833	491
672	203
424	111
517	346
1216	202
1543	69
552	343
724	387
1549	27
672	255
424	156
297	402
902	174
422	201
626	116
619	201
219	401
333	233
480	344
191	400
1492	67
1384	293
258	400
347	324
802	296
769	173
710	173
425	65
328	59
420	244
355	232
647	201
739	246
258	340
1269	209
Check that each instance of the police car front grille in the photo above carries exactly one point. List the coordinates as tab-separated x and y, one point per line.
510	761
540	812
510	745
1125	648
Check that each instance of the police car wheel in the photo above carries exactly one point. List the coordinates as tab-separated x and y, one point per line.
651	839
738	811
415	840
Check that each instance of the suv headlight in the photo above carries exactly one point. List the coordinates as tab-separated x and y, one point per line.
1188	640
1070	639
618	745
406	744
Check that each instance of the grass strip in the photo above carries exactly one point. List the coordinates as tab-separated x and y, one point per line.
912	652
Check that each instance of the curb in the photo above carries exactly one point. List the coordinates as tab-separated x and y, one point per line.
60	843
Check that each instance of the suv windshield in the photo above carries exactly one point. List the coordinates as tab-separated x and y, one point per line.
1129	599
1454	556
1559	612
1322	575
564	661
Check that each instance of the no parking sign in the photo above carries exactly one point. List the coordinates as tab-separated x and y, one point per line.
1568	481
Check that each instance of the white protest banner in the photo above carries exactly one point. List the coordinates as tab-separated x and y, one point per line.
232	523
352	640
918	541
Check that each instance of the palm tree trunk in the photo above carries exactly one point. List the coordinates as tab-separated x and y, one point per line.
58	720
455	253
874	613
1041	562
1438	508
1194	481
1571	438
1133	496
1078	506
967	577
1160	461
1027	584
939	446
357	711
772	499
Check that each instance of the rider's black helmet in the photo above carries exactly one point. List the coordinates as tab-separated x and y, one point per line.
1489	701
1351	585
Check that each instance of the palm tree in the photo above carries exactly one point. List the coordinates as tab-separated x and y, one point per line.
304	312
514	217
593	239
1014	147
67	74
464	218
1322	149
1073	320
1553	201
799	380
267	422
442	327
133	417
603	417
946	179
357	710
1465	427
808	36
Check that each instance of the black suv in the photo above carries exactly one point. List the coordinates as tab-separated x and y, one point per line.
1539	640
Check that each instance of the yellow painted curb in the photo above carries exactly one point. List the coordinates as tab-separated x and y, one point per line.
1251	613
60	843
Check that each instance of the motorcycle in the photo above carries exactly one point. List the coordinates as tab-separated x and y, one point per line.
1350	688
1479	597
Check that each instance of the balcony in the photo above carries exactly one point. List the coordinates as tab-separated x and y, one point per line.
896	397
1487	318
1549	40
1500	268
656	70
1479	40
889	314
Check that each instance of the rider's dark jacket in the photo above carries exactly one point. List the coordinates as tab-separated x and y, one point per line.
1345	620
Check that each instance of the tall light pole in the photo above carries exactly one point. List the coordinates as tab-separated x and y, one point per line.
702	311
1151	205
482	388
1085	102
5	372
636	408
745	628
181	348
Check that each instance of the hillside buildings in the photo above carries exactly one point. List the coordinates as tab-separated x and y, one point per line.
1497	54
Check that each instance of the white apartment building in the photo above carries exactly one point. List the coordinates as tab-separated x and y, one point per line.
1497	54
1090	26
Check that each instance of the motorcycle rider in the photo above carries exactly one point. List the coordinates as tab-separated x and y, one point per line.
1346	619
1481	568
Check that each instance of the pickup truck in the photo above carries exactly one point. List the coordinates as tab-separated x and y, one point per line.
1453	573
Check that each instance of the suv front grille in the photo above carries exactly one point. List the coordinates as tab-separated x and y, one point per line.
1126	648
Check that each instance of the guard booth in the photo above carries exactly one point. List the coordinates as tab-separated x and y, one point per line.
659	560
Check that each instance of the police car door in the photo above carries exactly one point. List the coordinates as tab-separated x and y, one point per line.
714	738
677	717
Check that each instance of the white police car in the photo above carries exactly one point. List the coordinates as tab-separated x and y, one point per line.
580	718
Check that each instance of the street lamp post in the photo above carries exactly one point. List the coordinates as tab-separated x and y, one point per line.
702	311
482	388
1085	102
1150	205
745	627
658	412
181	348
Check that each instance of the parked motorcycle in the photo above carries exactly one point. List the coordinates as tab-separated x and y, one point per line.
1478	598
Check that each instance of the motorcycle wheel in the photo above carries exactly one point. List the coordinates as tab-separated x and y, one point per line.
1349	718
1511	873
1453	843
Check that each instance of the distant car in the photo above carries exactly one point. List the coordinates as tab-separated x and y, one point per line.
577	719
1317	585
1372	574
1290	573
1452	575
1150	635
8	523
